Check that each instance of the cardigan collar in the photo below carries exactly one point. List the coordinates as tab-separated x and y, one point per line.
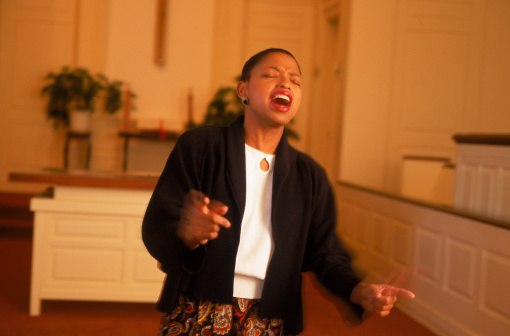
284	157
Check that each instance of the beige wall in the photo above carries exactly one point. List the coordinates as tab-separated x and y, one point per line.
31	43
371	95
206	44
162	90
367	90
417	73
115	38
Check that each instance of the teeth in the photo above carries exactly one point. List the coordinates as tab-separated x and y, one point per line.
280	96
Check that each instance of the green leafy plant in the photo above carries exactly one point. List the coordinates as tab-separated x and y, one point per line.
113	94
224	108
77	89
113	97
70	89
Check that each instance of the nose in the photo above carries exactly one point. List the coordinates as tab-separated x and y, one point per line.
284	82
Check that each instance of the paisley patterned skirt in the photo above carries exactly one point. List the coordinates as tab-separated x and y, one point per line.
198	318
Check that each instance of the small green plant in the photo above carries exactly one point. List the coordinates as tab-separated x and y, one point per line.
224	108
113	95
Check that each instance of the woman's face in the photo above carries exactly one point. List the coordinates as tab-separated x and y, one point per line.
273	90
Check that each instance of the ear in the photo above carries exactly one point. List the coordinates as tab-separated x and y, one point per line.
242	91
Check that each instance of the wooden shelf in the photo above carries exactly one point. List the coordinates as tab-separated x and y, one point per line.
150	135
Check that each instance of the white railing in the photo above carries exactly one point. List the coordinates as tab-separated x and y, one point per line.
458	266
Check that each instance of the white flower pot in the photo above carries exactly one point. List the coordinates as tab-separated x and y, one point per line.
79	121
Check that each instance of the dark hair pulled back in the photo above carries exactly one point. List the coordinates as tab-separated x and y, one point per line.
255	59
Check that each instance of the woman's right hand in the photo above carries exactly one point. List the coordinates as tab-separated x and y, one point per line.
201	219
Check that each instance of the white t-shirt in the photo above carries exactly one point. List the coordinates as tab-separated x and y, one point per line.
256	243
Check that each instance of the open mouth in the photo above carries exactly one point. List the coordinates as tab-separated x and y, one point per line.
281	100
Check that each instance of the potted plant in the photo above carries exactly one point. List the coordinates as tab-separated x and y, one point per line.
72	93
113	95
224	108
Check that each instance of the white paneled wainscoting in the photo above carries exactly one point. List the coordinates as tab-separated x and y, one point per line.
457	265
88	247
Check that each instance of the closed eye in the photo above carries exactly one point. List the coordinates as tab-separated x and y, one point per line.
296	80
269	75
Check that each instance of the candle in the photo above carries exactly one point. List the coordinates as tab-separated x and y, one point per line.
162	133
127	109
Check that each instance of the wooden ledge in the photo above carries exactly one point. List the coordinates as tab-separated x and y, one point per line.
483	139
87	179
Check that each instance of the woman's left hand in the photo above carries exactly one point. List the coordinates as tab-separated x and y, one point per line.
378	299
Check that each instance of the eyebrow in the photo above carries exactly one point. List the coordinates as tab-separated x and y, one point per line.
278	69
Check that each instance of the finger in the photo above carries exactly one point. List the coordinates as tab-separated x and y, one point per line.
386	305
200	205
220	220
384	313
215	204
406	294
220	210
398	292
205	237
385	310
218	207
212	235
386	300
382	309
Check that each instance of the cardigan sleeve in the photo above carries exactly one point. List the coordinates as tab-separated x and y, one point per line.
159	227
325	255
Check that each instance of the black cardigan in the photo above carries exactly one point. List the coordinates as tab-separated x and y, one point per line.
212	160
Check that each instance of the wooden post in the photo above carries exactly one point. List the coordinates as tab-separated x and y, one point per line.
159	43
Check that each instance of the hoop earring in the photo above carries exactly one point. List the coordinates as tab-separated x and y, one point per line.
245	101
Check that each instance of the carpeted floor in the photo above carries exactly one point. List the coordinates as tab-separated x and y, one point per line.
126	319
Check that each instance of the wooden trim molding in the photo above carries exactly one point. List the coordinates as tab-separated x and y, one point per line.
483	139
86	179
